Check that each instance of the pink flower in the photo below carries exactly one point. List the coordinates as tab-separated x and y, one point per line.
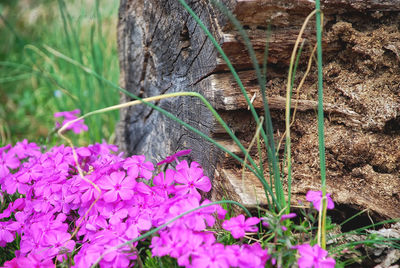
190	179
116	258
174	157
314	257
117	186
193	243
77	126
252	256
7	231
32	260
316	196
214	256
288	216
59	242
7	161
238	225
164	183
114	213
24	149
138	167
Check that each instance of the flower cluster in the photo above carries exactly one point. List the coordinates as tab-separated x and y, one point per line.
77	127
91	209
59	215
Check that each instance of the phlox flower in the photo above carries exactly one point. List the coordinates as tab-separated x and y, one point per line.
139	221
7	232
32	240
170	242
116	257
88	255
24	149
138	167
6	213
85	193
211	257
92	224
32	260
195	240
247	255
30	171
58	242
13	184
288	216
18	204
114	213
316	197
117	186
77	127
174	157
314	257
190	179
164	183
7	161
239	225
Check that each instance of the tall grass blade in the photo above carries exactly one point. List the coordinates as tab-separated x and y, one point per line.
321	140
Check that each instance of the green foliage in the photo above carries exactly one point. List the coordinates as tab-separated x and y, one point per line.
156	262
35	83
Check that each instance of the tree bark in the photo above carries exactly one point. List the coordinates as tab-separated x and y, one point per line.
163	50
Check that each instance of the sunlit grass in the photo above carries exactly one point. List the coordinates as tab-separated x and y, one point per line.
34	83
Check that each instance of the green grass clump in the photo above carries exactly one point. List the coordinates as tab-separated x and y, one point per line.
36	82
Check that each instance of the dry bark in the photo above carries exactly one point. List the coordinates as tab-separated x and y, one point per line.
163	50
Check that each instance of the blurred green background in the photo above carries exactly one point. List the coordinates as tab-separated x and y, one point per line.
43	46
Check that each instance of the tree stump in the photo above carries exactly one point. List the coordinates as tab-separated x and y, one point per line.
163	50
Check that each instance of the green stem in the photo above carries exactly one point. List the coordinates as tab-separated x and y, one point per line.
321	122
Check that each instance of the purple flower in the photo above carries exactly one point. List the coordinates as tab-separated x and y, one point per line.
117	185
174	157
238	225
77	126
316	197
314	257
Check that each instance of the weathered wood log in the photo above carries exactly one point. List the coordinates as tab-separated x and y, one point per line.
163	50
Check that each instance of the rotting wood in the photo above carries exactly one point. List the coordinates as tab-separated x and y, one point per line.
163	50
